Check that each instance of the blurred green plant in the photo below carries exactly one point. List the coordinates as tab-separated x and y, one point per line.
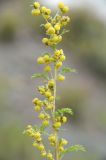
76	99
87	40
8	27
14	145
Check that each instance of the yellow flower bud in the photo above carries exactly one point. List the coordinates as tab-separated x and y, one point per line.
40	60
41	90
50	106
65	9
50	156
51	31
51	98
57	27
60	77
40	103
59	38
52	138
48	11
35	144
36	5
41	147
45	123
64	119
37	108
35	12
46	58
58	65
46	16
57	125
42	116
37	135
62	58
47	25
48	94
61	149
51	83
43	9
45	40
47	69
61	5
55	38
63	142
35	101
43	154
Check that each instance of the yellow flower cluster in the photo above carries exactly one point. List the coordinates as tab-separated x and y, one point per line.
62	142
38	143
57	58
63	8
58	121
53	63
54	25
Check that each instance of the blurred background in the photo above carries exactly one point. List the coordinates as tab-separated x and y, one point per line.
84	92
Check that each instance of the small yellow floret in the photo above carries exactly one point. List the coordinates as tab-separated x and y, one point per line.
37	5
51	31
41	147
47	69
48	94
63	57
65	9
47	25
64	142
60	77
42	116
50	156
61	5
58	65
43	9
40	60
51	98
43	154
57	27
64	119
57	125
35	12
45	40
37	108
45	123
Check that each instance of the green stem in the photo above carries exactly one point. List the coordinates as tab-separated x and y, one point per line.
55	132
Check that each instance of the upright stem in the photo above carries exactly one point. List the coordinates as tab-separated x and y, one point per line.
55	132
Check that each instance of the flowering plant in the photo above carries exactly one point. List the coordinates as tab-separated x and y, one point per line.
50	116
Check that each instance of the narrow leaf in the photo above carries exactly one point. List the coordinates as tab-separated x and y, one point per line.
68	70
61	112
40	75
74	148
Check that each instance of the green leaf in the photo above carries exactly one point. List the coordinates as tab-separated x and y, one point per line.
40	75
68	70
61	112
64	31
74	148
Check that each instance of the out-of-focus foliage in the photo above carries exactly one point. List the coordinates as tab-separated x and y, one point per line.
7	28
74	100
88	41
14	145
